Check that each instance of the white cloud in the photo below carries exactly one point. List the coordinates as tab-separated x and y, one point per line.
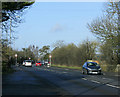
57	28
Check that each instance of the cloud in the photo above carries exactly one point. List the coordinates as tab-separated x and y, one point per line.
57	28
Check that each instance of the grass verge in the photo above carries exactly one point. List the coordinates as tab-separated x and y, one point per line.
69	67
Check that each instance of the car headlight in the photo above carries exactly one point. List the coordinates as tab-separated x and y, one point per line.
99	69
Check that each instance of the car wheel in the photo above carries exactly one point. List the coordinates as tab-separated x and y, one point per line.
100	73
83	72
86	72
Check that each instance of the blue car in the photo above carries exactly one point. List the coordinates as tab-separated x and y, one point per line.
91	68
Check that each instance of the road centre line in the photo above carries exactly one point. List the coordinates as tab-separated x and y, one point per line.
66	69
92	80
64	72
105	84
112	86
95	81
104	78
84	78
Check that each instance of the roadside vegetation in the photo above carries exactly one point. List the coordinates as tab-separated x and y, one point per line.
11	18
107	30
68	67
106	49
72	55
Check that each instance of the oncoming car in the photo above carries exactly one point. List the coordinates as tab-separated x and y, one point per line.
91	68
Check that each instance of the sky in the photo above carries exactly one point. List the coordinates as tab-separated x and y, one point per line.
47	22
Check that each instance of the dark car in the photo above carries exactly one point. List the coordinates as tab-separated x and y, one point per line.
91	68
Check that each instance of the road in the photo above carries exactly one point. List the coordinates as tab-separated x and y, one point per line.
57	81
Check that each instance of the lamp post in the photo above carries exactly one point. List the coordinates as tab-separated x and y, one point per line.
16	58
50	56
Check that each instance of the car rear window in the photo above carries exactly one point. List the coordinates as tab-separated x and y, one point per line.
28	61
38	62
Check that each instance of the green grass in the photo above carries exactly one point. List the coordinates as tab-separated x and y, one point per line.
69	67
104	67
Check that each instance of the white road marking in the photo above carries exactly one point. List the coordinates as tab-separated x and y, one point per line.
64	72
66	69
102	83
95	81
117	75
91	80
112	86
84	78
92	76
104	78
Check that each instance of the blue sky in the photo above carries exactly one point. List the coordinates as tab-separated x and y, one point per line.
47	22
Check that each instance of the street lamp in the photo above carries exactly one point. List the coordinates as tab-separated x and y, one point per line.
50	56
16	58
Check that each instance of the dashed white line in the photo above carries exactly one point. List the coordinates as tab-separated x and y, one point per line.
112	86
99	83
104	78
64	72
95	81
117	75
84	78
66	69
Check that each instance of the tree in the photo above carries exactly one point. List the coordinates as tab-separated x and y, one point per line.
28	53
72	55
44	52
59	43
60	56
11	9
12	13
11	17
86	51
106	29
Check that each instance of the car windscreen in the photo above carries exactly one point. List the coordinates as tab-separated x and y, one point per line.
92	64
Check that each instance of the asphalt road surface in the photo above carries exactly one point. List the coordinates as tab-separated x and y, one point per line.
57	81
